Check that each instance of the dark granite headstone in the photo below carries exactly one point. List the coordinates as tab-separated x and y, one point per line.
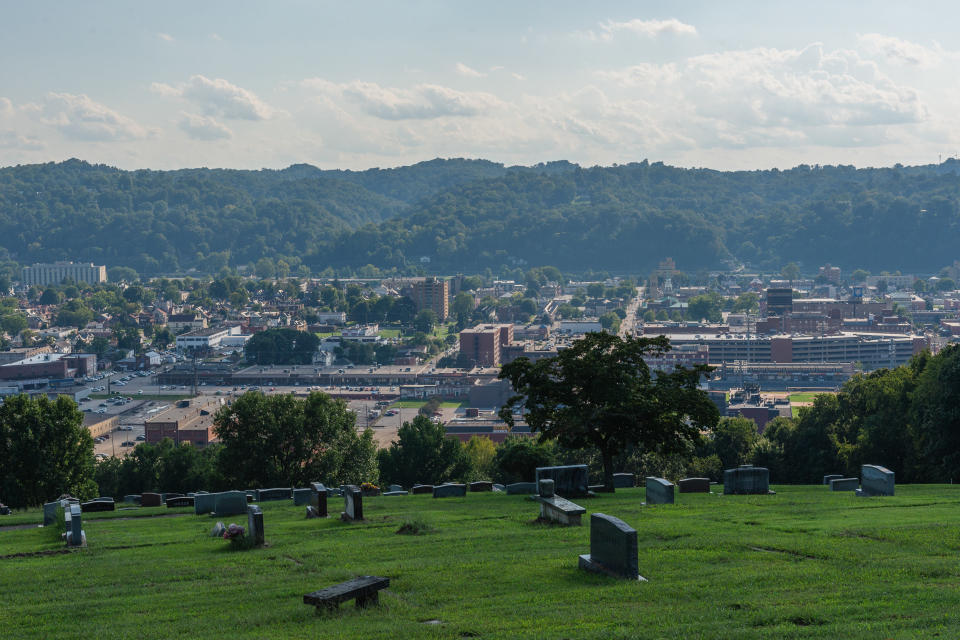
746	480
875	481
303	497
319	499
4	510
498	487
204	503
527	488
255	524
150	500
167	496
659	491
613	547
421	488
50	513
844	484
132	498
832	476
394	487
97	505
623	480
180	501
449	490
395	493
546	488
274	494
352	503
230	503
481	486
694	485
571	480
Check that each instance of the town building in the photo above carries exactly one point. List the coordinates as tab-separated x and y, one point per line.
482	345
431	293
42	274
189	421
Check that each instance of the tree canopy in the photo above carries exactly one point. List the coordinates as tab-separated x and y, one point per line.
282	346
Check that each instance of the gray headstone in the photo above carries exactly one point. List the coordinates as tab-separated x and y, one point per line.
352	503
659	491
230	503
571	480
694	485
876	480
421	488
255	524
151	500
395	493
483	485
521	488
449	490
204	503
546	488
613	547
180	501
303	497
50	513
75	537
623	480
274	494
498	487
319	499
832	476
746	480
98	505
394	487
844	484
561	510
132	498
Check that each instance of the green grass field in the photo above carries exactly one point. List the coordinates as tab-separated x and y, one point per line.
804	396
805	563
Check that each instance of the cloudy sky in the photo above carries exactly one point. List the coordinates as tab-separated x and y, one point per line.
363	84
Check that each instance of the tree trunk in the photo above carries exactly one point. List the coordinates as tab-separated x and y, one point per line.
607	456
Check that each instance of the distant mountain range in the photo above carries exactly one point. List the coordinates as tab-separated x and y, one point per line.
469	215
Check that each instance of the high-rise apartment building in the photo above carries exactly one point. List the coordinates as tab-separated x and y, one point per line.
44	274
433	294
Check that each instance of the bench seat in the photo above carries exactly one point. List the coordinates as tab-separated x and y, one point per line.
363	589
560	510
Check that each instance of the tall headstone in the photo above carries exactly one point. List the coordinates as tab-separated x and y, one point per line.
659	491
694	485
746	480
204	503
352	503
571	480
319	498
74	520
875	481
255	524
230	503
303	497
449	490
613	548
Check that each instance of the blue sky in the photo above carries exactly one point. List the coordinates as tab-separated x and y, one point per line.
355	85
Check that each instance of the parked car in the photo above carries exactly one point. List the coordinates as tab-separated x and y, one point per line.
127	443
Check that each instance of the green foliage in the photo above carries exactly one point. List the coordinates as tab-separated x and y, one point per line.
281	346
163	467
517	458
424	454
732	440
707	306
480	452
599	393
281	440
45	451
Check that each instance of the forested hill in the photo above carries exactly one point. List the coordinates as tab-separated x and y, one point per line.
467	215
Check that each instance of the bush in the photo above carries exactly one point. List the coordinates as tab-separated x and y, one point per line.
518	457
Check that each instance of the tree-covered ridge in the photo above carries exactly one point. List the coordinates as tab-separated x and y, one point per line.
467	215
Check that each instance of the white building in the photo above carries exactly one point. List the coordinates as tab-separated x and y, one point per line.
210	338
43	274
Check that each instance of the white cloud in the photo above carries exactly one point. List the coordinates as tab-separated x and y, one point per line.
14	140
79	117
166	37
643	28
203	127
217	97
464	70
424	101
899	51
6	107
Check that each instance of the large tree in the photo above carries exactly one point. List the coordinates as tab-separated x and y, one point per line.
45	451
423	453
599	393
282	346
282	440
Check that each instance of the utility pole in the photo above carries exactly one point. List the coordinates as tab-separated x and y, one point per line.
194	373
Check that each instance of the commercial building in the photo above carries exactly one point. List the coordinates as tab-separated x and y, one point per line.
189	421
431	293
202	340
50	366
41	274
482	345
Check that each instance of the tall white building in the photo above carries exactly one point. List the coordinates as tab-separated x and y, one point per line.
44	274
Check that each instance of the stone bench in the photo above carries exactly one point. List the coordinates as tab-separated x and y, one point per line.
557	509
364	590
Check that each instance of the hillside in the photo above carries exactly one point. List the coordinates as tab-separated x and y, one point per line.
469	215
803	563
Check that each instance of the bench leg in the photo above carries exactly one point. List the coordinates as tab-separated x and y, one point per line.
327	607
367	601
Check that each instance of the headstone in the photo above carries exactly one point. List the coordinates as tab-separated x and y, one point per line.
449	490
875	481
319	499
302	497
167	496
746	480
204	503
694	485
395	493
623	480
312	513
74	521
150	500
844	484
546	488
659	491
521	488
394	487
230	503
50	513
498	487
613	548
4	510
97	505
352	503
571	480
832	476
560	510
254	494
274	494
132	498
422	488
217	531
482	485
255	524
180	501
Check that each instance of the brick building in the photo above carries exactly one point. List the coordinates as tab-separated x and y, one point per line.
482	345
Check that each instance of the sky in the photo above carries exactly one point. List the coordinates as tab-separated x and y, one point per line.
725	85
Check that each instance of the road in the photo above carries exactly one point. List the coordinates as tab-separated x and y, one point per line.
628	323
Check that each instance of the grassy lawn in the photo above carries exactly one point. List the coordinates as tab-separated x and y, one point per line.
804	396
805	563
386	334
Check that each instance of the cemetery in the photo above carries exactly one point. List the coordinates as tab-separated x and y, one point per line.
805	562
